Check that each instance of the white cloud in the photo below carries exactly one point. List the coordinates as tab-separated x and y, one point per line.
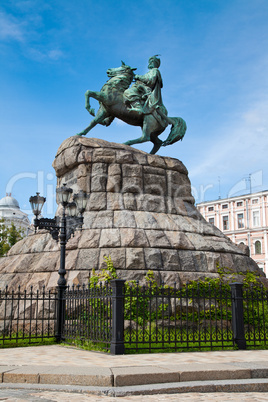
10	28
239	146
55	54
24	31
45	54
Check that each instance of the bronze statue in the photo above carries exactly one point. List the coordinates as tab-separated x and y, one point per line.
140	105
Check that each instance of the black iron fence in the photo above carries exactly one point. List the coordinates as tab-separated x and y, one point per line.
88	314
127	318
28	316
131	319
176	319
255	316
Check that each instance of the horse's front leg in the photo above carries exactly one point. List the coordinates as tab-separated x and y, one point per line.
92	94
101	115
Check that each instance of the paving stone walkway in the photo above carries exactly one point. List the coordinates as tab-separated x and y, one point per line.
62	373
49	396
58	355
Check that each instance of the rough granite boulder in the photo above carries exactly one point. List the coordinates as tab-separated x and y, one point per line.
140	212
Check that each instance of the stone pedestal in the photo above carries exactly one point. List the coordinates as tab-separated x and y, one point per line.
140	212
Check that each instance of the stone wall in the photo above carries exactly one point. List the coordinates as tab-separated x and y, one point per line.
140	211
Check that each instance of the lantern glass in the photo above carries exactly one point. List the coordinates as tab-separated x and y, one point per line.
71	209
64	194
37	203
81	201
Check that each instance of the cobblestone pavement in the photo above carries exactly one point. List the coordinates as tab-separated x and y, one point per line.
12	395
58	355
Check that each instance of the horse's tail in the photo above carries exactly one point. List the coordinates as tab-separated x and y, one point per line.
177	131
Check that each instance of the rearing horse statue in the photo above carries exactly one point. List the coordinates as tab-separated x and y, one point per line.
140	105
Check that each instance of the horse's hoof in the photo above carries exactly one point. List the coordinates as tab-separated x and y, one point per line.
80	134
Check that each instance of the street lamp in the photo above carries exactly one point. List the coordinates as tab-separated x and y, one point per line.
61	228
72	221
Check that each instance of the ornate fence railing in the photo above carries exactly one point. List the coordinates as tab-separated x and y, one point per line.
255	316
88	314
28	316
127	318
176	319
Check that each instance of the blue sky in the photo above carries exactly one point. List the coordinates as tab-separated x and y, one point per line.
214	64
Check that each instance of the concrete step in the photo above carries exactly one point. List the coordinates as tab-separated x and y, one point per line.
129	376
226	386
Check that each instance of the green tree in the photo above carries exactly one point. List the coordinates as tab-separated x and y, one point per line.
9	235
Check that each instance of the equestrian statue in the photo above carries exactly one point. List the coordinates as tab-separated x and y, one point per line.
138	105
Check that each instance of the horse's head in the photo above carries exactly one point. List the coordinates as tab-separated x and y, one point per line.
123	70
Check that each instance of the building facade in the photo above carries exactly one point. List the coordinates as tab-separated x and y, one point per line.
244	219
11	213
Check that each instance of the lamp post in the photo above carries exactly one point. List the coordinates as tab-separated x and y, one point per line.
61	229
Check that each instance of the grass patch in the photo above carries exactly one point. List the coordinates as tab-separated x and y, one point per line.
16	341
164	347
190	346
20	340
88	345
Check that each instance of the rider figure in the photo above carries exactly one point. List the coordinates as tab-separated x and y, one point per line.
145	94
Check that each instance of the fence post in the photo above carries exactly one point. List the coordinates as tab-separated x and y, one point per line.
238	315
117	343
60	313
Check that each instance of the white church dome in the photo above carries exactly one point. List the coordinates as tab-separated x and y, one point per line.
11	213
9	202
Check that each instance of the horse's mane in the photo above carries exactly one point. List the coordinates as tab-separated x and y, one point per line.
121	81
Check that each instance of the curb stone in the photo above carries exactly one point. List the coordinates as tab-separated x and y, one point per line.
232	386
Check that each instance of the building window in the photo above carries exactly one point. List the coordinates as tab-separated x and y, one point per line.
224	206
256	218
240	221
225	222
239	204
255	201
257	247
211	209
211	220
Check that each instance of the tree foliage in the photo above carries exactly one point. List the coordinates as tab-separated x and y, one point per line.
9	235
